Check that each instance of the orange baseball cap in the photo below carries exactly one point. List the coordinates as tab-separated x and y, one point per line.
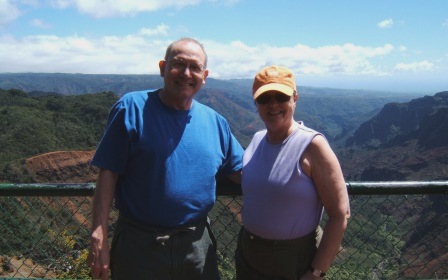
275	78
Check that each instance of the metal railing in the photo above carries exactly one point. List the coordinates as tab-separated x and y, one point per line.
398	230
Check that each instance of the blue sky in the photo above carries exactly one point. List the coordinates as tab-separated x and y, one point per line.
393	45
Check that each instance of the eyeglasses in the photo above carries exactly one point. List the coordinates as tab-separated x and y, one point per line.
180	65
266	98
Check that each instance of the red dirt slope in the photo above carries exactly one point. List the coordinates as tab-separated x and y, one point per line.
62	167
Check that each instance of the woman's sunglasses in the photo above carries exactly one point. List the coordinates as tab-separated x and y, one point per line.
266	98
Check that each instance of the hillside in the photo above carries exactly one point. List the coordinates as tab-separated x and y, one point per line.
51	138
61	167
75	84
404	141
407	142
424	119
334	112
401	161
34	125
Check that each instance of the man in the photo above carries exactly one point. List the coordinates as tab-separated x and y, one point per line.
158	158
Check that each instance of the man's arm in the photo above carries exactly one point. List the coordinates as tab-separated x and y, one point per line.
98	259
235	177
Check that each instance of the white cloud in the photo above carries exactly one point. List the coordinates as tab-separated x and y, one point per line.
112	8
238	60
140	54
414	67
62	4
387	23
128	55
160	30
8	12
343	66
39	23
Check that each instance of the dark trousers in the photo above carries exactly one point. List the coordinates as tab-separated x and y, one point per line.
144	252
257	258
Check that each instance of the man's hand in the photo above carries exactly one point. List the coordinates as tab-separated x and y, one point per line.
309	276
99	253
98	259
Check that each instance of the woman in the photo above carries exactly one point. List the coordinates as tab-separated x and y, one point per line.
290	174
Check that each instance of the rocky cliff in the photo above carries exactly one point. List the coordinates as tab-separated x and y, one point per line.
424	119
404	141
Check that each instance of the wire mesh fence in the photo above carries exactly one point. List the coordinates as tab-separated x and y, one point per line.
398	232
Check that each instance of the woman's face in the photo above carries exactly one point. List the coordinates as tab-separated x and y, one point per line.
277	111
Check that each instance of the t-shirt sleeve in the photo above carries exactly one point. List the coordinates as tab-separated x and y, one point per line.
113	149
234	155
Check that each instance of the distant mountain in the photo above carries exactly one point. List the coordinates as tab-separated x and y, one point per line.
423	119
340	113
46	133
38	122
74	84
244	122
334	112
50	137
404	141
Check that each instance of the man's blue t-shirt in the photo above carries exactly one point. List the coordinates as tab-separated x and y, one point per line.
167	159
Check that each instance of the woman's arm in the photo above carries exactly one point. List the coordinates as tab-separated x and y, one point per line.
322	165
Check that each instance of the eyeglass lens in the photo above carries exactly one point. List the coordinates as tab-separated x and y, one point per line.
181	65
266	98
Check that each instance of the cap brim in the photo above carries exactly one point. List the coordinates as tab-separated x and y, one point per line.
274	87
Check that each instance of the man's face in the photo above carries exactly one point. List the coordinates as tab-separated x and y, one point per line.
184	72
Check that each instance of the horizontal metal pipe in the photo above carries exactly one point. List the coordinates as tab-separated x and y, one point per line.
56	189
225	187
397	187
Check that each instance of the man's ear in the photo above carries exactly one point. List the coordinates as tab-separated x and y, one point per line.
162	64
205	76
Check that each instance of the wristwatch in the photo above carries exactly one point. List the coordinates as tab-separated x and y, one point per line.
317	272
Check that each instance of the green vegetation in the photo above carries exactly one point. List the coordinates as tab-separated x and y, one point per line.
375	245
44	230
31	125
